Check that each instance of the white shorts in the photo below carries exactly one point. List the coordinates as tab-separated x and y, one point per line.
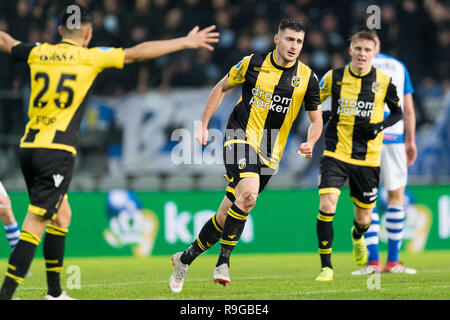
394	170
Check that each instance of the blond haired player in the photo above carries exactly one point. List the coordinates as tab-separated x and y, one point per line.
358	95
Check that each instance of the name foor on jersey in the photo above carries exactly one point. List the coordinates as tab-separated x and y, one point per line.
358	108
44	120
269	100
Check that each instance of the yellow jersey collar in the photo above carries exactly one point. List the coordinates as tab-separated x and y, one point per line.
277	65
68	41
359	75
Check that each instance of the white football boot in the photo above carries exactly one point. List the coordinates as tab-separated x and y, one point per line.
368	269
62	296
398	267
179	272
222	274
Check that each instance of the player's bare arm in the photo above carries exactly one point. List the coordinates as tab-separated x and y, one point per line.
213	102
409	118
314	132
195	39
6	42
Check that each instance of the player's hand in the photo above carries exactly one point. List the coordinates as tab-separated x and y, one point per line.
370	131
202	135
411	153
306	149
202	39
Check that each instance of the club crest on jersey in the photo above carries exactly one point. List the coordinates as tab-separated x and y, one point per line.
295	82
242	163
375	87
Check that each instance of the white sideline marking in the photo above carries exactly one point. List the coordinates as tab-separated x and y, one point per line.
271	294
149	282
143	282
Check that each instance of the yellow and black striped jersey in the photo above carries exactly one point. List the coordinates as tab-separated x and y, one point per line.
271	99
356	101
61	78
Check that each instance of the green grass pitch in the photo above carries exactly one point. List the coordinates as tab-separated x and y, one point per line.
253	277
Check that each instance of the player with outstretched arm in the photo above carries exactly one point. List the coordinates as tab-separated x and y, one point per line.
61	79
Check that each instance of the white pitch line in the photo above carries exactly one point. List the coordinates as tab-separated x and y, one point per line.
243	296
269	294
434	271
149	282
143	282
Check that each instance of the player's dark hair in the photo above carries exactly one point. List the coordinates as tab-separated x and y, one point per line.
292	24
66	15
364	34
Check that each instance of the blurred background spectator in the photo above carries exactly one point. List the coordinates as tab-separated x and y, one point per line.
414	31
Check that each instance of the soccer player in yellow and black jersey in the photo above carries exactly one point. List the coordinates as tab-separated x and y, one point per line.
61	78
358	95
274	86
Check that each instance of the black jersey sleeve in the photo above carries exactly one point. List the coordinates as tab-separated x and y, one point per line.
391	99
372	129
312	95
21	51
393	103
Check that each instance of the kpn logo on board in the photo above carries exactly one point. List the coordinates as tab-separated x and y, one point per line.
131	225
184	226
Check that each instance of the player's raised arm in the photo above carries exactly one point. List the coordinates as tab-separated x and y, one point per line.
6	42
213	102
195	39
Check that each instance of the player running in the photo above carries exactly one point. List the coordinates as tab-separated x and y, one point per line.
274	85
352	144
398	152
61	78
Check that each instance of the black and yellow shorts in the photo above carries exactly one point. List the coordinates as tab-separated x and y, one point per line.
363	181
47	174
242	161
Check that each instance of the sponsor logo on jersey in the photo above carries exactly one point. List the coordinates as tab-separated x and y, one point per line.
258	69
358	108
266	100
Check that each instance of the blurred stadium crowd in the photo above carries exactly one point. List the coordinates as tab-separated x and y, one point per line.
414	31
